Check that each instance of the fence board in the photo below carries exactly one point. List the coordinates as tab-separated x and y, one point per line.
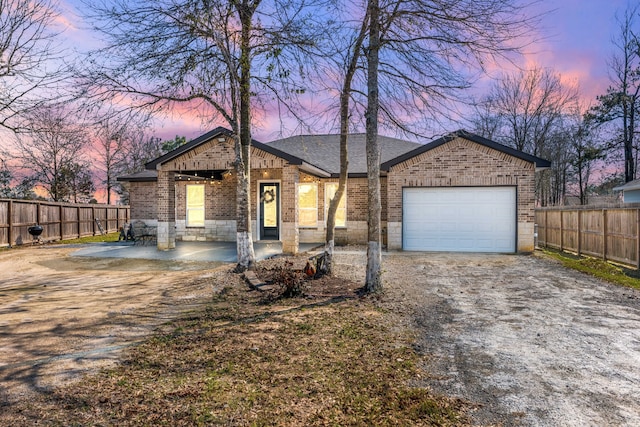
608	233
58	220
570	232
85	220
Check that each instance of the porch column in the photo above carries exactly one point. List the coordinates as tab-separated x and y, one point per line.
289	235
166	210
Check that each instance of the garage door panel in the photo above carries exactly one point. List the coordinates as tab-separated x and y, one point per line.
461	219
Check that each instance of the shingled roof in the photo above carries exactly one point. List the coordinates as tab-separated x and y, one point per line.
323	151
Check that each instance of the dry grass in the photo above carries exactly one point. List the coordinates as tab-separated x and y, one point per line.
612	273
254	359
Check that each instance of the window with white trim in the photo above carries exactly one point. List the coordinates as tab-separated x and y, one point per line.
195	205
308	204
330	189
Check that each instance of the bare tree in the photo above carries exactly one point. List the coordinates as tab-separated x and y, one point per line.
29	59
621	104
202	53
524	108
50	151
415	55
114	136
373	280
486	121
422	48
552	184
527	110
138	149
346	57
109	144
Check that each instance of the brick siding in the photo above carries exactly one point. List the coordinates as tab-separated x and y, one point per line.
144	200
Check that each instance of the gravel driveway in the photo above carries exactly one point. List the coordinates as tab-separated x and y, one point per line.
529	341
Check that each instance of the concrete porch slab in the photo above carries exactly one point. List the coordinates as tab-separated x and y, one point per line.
185	251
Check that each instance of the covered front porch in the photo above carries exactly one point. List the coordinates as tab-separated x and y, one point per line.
190	194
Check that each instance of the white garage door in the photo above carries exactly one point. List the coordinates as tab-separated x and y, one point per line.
459	219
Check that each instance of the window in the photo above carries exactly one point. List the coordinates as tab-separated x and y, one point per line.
341	214
195	205
308	205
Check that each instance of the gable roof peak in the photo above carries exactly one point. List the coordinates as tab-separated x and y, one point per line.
461	133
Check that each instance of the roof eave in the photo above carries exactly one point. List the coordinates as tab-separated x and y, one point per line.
278	153
314	170
539	162
629	188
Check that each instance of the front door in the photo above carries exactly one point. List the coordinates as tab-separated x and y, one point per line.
269	210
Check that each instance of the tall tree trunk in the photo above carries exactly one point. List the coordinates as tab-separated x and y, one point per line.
244	242
373	281
345	96
631	135
109	184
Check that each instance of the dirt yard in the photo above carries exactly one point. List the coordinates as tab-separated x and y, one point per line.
61	316
531	342
528	341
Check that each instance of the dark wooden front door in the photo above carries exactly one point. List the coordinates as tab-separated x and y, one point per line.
269	210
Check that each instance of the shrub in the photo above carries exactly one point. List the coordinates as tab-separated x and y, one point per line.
289	280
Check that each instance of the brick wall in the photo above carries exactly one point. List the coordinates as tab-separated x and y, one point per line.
144	200
357	205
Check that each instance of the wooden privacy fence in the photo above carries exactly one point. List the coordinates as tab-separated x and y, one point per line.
58	220
608	233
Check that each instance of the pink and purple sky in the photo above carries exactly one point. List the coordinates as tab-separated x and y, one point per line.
575	42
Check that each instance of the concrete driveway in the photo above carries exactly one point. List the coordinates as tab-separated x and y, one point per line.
529	341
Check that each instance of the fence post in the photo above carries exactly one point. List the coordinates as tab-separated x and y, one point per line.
93	220
61	221
10	222
561	231
637	238
579	232
546	227
604	234
78	219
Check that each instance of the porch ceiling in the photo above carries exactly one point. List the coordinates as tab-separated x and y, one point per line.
215	175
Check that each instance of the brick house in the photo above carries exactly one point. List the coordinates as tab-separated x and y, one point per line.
458	193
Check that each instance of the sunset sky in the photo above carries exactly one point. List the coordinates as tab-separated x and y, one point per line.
575	42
